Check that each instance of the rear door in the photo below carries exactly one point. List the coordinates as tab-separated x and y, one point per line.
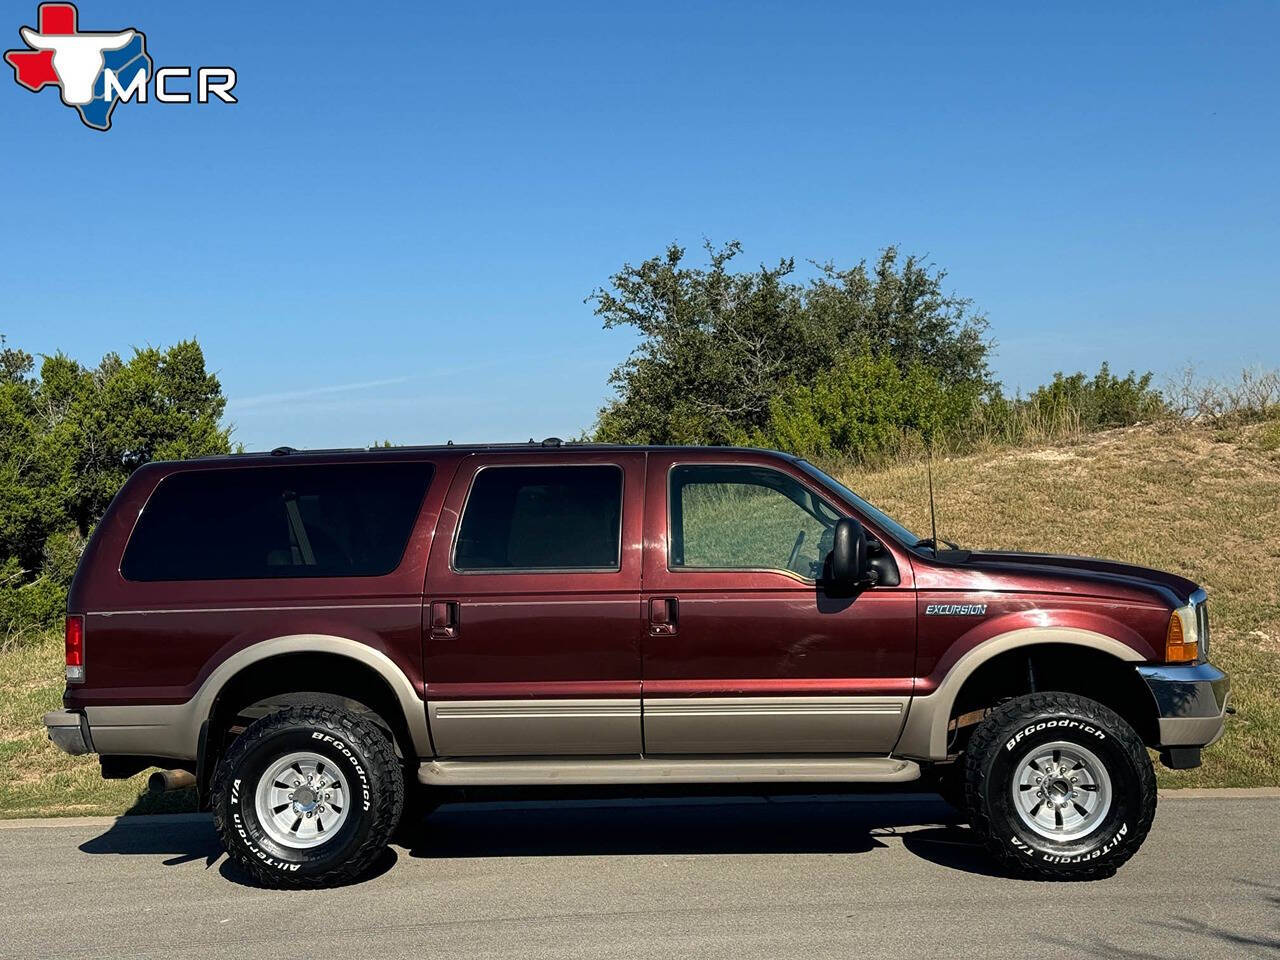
745	651
533	618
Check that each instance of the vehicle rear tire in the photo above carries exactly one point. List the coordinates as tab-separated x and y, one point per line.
948	780
1059	787
307	797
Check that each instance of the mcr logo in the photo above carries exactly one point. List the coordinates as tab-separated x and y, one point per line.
97	70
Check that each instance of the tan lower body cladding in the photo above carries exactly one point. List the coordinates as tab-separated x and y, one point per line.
772	725
677	725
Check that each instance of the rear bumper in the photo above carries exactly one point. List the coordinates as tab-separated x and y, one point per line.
1191	702
69	731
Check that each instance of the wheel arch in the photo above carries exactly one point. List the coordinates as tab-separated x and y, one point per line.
925	733
334	667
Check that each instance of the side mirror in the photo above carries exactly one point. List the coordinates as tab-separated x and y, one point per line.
849	553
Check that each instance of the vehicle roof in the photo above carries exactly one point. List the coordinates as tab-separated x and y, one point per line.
551	446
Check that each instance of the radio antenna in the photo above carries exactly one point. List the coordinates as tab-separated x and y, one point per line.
933	514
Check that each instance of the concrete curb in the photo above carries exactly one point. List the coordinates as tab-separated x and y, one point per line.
155	819
161	819
1216	793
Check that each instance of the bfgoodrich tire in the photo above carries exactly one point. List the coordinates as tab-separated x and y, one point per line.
307	797
1059	787
949	783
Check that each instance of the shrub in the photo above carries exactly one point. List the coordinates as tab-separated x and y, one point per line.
868	410
1269	436
27	606
1254	396
1067	406
864	409
1100	402
62	554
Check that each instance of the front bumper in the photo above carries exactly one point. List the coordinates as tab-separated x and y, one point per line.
69	731
1191	702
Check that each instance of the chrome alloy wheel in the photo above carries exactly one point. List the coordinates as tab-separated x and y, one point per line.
1061	791
302	800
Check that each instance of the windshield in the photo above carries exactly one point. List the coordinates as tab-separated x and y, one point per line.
875	515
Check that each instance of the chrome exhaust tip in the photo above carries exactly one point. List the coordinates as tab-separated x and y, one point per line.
164	781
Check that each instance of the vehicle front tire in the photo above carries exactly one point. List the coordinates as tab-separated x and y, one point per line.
307	797
1059	786
419	802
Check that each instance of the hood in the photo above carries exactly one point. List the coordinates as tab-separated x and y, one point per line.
1169	586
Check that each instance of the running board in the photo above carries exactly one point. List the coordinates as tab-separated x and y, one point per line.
620	770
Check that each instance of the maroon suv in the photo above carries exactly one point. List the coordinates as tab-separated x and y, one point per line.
317	636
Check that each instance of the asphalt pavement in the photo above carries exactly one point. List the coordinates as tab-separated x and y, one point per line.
682	877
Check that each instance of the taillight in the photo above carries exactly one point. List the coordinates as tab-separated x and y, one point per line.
75	649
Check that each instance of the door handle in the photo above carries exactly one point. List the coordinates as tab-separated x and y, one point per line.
444	619
664	612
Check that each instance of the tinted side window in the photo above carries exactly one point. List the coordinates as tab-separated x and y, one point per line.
348	520
541	518
747	518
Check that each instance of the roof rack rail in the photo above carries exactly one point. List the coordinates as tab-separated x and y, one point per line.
550	443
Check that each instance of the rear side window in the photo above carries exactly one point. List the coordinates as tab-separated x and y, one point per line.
347	520
541	518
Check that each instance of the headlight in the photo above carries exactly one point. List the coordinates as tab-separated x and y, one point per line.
1182	642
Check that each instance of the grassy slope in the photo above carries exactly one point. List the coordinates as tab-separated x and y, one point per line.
1201	503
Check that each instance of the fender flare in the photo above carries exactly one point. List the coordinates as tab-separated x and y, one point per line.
924	735
176	730
411	705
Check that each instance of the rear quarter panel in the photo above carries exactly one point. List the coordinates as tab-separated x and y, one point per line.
157	642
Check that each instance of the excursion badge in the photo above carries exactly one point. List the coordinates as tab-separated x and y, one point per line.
955	610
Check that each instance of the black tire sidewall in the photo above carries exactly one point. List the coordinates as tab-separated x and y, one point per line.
1118	831
949	782
240	814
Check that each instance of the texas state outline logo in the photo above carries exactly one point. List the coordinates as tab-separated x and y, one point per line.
95	71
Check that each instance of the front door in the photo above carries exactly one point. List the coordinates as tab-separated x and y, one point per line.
532	622
745	652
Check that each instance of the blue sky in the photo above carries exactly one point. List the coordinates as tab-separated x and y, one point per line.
391	235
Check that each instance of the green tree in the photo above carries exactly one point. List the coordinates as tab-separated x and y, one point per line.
717	347
899	310
70	436
160	405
